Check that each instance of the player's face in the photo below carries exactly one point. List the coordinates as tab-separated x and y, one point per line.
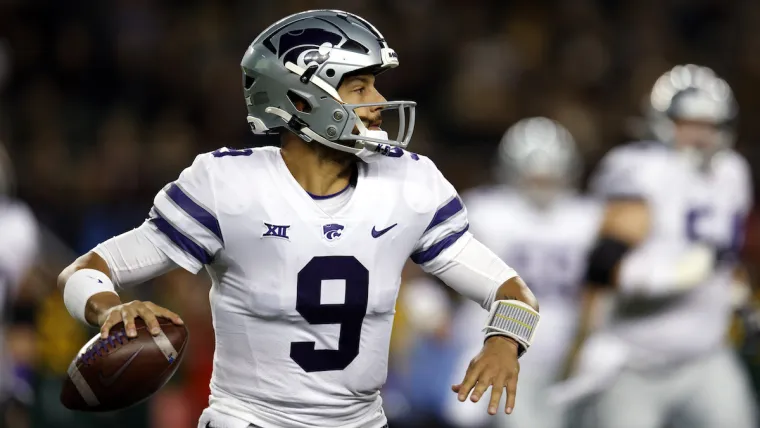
694	135
360	89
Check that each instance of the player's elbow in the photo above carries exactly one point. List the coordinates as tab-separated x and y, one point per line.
516	289
627	221
91	260
626	225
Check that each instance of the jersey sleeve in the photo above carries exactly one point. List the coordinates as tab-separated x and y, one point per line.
480	213
183	218
746	189
618	175
20	243
742	189
447	225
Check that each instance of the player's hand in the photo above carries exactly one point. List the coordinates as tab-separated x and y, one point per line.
495	366
127	312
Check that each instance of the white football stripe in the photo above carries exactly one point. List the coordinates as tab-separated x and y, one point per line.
84	389
166	347
186	224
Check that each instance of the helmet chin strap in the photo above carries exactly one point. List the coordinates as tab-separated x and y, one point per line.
368	151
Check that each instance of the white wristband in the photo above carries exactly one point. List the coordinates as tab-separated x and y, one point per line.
513	319
82	285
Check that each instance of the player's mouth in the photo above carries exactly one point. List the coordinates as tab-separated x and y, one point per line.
375	125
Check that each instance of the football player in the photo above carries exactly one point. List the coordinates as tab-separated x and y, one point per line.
669	242
18	250
305	243
540	226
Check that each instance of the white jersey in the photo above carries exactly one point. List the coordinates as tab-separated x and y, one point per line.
302	301
686	206
18	249
550	250
18	246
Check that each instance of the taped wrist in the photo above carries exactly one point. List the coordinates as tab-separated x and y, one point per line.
603	260
513	319
82	285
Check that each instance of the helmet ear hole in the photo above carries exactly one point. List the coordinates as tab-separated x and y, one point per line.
330	72
299	102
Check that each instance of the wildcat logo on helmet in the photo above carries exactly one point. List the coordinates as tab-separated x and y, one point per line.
332	231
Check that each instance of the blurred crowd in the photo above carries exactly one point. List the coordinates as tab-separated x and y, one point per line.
103	103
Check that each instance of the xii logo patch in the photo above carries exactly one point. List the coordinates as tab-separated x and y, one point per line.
276	231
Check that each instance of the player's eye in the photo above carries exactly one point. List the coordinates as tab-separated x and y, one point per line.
360	90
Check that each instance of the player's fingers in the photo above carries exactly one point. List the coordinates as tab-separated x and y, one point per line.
496	390
128	317
473	372
113	318
481	387
165	313
456	388
511	393
150	320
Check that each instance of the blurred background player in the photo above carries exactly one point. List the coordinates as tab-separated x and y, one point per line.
18	249
535	220
673	226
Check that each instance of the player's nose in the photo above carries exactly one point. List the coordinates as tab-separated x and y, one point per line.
377	97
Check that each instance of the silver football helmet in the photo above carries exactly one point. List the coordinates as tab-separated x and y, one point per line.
539	157
305	57
692	93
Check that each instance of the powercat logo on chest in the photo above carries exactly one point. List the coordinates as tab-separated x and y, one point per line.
333	231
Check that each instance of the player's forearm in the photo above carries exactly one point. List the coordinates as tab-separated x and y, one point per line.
587	321
516	289
98	303
509	321
656	274
90	260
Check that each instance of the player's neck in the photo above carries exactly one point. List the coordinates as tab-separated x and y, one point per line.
319	170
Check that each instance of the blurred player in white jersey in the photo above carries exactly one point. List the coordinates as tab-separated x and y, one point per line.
669	245
305	243
540	225
18	249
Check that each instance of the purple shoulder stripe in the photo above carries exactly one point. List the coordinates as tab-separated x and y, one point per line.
179	239
447	211
194	210
424	256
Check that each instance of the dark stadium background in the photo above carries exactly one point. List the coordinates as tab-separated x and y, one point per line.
104	102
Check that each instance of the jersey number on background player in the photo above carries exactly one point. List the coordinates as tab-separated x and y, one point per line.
726	251
350	314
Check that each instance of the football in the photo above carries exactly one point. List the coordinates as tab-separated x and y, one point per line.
118	372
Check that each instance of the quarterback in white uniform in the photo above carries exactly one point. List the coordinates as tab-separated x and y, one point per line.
540	226
673	228
305	243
